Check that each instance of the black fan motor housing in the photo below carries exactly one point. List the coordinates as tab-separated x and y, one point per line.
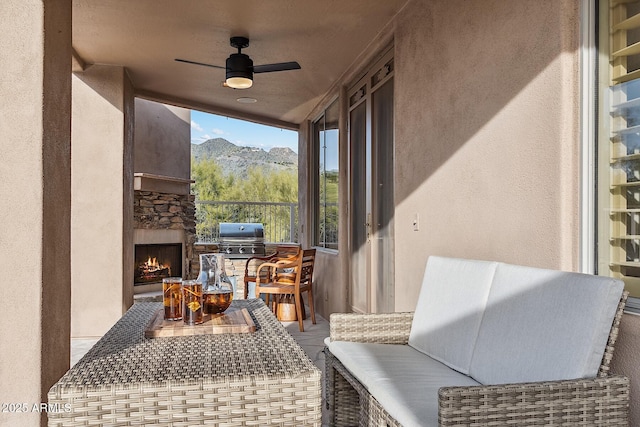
239	65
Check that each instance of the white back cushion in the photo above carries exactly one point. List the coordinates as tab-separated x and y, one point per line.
544	325
447	317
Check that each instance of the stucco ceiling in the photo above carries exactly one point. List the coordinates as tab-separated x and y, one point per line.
145	36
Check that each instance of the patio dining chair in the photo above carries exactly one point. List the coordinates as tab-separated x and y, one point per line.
289	277
252	264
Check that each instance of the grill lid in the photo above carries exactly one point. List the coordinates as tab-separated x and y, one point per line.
241	231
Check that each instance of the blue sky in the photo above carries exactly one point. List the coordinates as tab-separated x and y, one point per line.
206	126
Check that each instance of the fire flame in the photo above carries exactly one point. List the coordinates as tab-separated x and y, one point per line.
152	263
151	270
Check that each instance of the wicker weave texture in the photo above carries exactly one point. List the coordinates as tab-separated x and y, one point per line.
602	401
342	392
588	402
388	328
613	337
349	402
254	379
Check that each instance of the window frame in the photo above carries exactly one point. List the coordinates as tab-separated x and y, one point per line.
316	158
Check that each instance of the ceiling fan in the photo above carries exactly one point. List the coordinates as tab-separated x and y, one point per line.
240	68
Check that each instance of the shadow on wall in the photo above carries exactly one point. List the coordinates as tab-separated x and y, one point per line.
459	64
481	90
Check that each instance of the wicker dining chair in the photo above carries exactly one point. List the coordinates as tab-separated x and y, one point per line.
252	264
289	277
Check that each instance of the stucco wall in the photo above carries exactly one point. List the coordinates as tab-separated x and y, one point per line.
162	139
35	186
486	128
329	295
102	199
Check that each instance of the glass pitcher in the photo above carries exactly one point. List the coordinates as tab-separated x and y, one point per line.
218	291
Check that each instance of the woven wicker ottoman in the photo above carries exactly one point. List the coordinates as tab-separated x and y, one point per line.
255	379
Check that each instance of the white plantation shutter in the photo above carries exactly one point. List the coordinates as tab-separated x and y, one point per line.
622	123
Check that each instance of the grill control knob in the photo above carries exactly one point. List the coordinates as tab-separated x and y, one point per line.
228	250
241	250
253	250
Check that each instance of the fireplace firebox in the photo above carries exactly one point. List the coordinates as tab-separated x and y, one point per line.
154	262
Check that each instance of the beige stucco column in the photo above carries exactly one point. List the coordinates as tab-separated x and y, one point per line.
102	203
35	174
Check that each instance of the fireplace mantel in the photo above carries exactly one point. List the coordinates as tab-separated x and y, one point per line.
157	236
161	184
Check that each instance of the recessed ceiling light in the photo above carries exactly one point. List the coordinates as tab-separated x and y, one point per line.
246	100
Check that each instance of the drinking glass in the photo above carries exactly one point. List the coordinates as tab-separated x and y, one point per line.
192	302
172	298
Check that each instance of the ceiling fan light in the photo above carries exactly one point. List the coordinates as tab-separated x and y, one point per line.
239	82
239	71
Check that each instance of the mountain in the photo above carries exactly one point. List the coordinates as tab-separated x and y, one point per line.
236	160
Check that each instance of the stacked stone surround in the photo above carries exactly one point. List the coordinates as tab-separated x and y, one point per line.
164	211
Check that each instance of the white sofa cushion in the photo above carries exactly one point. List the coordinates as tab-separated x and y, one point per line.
449	310
404	381
544	325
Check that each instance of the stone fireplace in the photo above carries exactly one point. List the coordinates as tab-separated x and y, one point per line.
164	229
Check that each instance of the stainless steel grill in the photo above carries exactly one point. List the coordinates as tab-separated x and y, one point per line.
241	239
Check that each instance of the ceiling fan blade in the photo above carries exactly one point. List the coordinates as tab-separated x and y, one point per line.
282	66
199	63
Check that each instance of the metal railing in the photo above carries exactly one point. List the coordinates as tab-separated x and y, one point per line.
279	219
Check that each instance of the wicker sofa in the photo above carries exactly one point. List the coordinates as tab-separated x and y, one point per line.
489	344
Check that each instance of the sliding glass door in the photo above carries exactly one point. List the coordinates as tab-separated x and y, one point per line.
372	204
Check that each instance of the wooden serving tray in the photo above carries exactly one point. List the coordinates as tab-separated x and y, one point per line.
232	321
